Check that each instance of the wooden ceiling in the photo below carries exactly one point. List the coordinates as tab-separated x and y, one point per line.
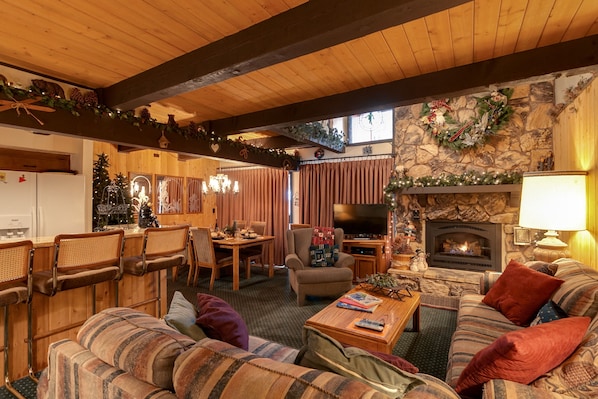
254	65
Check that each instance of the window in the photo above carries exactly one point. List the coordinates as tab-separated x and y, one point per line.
371	126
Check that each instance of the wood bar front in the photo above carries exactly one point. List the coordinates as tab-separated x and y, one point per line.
60	316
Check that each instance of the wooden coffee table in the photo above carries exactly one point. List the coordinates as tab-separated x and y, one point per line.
340	323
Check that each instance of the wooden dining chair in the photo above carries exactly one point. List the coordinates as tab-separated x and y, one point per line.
254	254
241	224
163	248
206	256
16	265
80	260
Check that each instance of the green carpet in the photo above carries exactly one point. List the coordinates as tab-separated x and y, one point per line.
269	308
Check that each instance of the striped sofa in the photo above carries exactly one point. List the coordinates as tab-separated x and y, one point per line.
478	325
123	353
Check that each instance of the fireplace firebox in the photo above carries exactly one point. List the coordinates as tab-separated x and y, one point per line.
464	245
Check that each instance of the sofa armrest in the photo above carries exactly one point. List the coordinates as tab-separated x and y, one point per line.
505	389
292	261
487	280
344	260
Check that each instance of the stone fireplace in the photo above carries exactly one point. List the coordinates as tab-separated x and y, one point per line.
464	245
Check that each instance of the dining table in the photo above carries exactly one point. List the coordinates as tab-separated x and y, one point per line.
237	243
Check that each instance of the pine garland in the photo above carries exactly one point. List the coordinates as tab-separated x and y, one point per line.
397	183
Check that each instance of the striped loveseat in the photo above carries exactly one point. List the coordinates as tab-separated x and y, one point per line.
123	353
479	325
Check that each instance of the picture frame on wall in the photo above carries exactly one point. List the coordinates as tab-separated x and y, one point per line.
522	236
141	189
169	195
194	195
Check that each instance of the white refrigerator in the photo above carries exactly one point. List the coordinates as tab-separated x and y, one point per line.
41	204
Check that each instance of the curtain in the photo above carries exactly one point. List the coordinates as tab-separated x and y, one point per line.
323	184
263	196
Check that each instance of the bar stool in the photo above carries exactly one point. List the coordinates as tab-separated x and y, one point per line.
16	265
163	248
80	260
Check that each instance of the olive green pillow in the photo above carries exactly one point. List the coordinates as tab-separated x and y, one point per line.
182	315
325	353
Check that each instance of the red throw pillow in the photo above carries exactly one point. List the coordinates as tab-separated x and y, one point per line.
523	355
520	292
322	236
396	361
220	321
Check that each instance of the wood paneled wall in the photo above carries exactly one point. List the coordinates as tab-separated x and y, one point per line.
164	163
576	148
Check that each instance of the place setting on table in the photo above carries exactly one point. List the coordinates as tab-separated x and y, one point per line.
240	239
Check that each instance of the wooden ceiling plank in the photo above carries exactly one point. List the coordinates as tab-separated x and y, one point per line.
401	49
440	38
385	60
558	21
368	61
466	79
419	41
534	22
307	29
461	19
486	14
509	26
586	17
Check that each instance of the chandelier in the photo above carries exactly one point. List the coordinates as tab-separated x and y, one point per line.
220	184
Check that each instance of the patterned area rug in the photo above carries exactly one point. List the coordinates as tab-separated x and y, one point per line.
269	308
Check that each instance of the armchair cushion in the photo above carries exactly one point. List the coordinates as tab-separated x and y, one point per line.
323	255
323	235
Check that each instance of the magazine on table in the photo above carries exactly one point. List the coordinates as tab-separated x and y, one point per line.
361	299
345	305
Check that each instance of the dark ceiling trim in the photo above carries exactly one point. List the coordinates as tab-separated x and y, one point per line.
467	79
88	125
305	29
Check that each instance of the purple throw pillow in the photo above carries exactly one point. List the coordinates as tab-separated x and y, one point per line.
220	321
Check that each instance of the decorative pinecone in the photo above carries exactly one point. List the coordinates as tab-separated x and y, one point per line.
171	122
77	96
145	116
91	98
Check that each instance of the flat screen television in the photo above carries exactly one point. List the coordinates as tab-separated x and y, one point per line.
362	220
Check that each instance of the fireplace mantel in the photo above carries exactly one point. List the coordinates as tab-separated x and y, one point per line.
514	191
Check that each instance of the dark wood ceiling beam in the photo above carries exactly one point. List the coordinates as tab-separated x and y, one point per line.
88	125
305	29
467	79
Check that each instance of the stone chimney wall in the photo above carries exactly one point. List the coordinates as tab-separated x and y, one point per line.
521	146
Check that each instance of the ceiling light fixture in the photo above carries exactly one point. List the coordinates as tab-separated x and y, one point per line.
220	184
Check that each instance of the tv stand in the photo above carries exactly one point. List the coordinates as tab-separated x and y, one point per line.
369	254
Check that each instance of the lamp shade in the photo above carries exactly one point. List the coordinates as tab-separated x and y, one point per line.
554	200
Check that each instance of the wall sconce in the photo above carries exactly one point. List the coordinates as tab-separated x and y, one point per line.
553	201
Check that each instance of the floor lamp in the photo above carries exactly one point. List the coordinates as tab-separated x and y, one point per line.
553	201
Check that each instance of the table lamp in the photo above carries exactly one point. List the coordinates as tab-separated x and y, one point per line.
551	201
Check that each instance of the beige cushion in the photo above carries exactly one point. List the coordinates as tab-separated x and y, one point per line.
135	342
325	353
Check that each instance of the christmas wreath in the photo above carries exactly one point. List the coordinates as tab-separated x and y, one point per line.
492	112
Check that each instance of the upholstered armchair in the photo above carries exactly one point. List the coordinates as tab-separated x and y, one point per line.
316	281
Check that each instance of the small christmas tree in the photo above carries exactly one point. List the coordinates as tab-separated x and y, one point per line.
111	199
101	180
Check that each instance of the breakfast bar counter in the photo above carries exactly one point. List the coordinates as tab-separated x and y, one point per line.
60	316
